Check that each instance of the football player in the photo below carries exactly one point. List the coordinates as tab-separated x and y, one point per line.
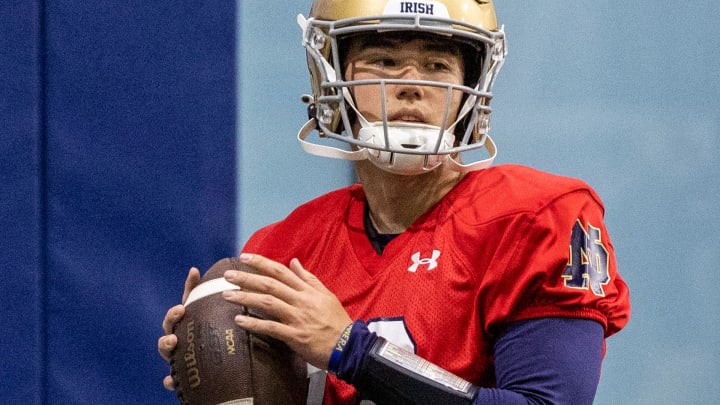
435	278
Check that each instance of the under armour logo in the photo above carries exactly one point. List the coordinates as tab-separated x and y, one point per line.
431	262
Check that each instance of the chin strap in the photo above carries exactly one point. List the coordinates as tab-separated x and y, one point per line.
457	166
324	150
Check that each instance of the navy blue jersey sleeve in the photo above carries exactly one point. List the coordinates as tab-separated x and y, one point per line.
539	361
547	361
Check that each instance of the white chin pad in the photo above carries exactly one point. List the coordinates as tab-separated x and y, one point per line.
406	137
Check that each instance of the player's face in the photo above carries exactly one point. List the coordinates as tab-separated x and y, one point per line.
412	59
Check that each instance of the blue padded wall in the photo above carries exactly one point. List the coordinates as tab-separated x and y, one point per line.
118	176
20	203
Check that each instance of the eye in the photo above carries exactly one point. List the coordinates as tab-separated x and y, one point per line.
439	65
383	61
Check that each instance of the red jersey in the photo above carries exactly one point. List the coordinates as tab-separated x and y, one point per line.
508	243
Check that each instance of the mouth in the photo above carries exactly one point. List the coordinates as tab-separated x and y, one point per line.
407	116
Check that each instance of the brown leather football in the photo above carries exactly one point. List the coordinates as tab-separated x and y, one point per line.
218	362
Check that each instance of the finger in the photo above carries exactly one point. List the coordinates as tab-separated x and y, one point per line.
267	327
306	276
273	269
192	280
169	383
172	317
272	306
166	345
261	284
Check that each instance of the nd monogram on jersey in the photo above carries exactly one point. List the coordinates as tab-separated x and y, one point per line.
506	244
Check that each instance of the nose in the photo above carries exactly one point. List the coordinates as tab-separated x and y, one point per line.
407	91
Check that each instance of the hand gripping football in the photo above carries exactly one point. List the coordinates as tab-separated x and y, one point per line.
217	362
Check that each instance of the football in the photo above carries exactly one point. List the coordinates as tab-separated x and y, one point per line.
217	362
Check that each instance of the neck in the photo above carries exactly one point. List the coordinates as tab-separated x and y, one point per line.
396	201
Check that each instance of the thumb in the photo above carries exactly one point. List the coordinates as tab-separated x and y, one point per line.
192	280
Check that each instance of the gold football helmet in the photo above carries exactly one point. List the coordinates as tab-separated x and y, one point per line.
470	23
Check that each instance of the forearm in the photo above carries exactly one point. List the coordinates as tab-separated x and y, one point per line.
527	372
387	374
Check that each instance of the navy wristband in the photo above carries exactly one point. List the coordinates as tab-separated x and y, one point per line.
336	355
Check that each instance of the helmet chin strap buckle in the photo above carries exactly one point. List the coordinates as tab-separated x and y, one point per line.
311	110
